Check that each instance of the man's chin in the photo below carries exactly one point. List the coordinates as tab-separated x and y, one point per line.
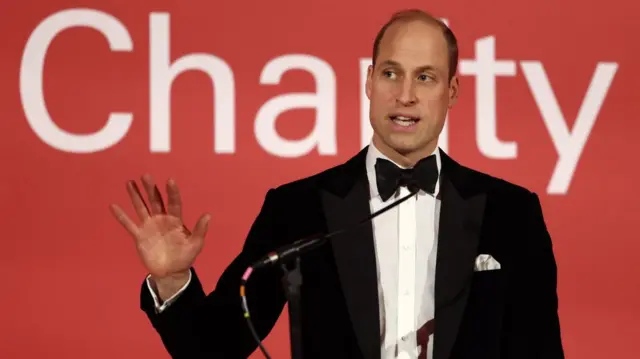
403	144
406	146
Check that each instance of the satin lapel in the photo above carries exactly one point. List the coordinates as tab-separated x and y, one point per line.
354	253
458	239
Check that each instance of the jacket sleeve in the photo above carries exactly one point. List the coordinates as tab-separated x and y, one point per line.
198	325
533	327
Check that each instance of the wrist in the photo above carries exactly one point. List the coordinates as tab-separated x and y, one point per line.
166	287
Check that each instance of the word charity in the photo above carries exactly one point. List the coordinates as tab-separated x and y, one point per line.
569	143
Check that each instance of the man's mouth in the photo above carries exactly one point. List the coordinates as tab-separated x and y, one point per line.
404	121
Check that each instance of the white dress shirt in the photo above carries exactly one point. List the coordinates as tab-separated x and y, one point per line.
406	244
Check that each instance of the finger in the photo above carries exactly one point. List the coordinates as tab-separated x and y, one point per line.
201	227
126	222
155	198
174	202
138	203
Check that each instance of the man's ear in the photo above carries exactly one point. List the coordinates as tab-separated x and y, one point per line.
368	84
454	87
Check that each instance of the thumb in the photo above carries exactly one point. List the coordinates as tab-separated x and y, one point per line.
201	227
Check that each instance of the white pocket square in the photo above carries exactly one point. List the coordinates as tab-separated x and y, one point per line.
486	262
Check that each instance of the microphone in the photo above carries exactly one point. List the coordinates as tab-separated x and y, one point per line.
306	244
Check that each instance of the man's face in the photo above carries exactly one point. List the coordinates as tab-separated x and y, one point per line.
409	88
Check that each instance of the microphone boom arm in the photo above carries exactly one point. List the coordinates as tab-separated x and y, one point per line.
306	244
292	279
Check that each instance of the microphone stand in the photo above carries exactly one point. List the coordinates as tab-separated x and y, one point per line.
292	281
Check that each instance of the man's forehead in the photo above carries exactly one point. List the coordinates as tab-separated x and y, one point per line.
414	52
417	65
417	37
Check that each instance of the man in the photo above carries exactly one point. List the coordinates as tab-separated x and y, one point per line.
463	269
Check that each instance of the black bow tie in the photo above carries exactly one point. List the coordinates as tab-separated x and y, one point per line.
389	177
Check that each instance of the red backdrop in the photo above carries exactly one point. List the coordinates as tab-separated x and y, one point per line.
548	100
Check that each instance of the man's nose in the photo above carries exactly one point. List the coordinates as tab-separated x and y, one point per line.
407	93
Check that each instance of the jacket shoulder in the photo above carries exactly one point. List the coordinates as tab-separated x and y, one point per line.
493	185
312	182
337	179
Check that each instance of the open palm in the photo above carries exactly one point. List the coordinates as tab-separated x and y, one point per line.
164	243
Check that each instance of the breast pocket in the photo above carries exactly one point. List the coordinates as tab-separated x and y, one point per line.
487	299
488	287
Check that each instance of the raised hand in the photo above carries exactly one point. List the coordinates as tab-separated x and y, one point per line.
165	245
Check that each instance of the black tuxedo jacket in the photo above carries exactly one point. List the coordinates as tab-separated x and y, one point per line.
509	313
